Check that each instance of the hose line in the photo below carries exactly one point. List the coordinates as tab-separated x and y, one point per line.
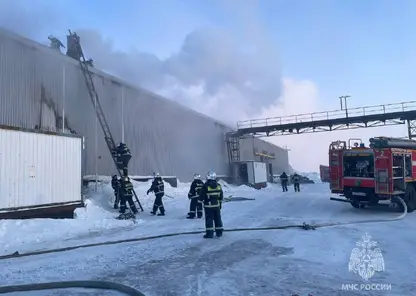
304	226
72	284
133	292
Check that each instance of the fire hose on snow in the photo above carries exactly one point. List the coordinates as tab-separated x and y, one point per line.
304	226
132	292
101	285
401	216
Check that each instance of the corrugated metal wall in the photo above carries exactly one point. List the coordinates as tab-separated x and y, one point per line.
249	147
39	87
29	169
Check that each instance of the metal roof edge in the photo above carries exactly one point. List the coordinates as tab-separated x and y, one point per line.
43	48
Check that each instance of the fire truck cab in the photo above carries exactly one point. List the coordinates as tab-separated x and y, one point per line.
366	175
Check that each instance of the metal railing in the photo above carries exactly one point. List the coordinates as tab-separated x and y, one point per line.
328	115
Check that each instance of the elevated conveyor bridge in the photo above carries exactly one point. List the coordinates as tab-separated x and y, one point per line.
362	117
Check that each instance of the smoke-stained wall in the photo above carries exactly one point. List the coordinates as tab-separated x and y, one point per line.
42	88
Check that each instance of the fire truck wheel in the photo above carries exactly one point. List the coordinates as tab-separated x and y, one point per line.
357	205
410	198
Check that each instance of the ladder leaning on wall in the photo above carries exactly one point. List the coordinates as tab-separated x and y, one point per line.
97	105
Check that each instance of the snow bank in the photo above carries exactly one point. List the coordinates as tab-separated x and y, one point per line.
99	204
314	176
97	215
16	234
229	188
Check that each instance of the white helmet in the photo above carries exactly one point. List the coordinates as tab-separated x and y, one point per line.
197	176
155	175
211	175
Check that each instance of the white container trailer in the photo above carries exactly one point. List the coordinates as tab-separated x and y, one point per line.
40	173
254	173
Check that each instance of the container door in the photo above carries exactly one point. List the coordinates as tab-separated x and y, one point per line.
382	172
335	170
243	173
250	172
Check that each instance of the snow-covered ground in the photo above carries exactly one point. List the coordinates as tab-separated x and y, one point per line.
312	176
276	262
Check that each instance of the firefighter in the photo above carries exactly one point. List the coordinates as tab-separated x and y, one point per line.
122	155
159	189
212	195
296	181
283	180
55	43
195	207
115	184
126	195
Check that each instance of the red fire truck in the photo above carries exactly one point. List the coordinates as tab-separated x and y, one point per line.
367	175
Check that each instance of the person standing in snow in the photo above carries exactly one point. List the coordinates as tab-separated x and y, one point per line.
212	196
126	196
115	184
195	207
296	182
159	189
283	180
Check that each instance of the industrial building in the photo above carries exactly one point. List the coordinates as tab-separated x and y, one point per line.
43	89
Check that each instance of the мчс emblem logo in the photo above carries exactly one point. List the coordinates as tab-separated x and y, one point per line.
366	259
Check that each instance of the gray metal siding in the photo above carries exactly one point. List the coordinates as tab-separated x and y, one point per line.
38	85
248	147
28	165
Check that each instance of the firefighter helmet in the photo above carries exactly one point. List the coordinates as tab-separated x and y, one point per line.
211	175
197	176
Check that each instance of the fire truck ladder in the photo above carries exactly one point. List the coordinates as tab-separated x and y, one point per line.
99	110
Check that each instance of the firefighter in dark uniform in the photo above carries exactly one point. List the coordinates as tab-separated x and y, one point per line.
284	180
115	184
126	195
122	155
296	181
212	195
195	208
159	189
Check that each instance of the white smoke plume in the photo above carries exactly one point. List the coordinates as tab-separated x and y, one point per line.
217	72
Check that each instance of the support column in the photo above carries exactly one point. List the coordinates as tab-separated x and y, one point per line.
233	147
411	129
122	114
96	147
63	97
